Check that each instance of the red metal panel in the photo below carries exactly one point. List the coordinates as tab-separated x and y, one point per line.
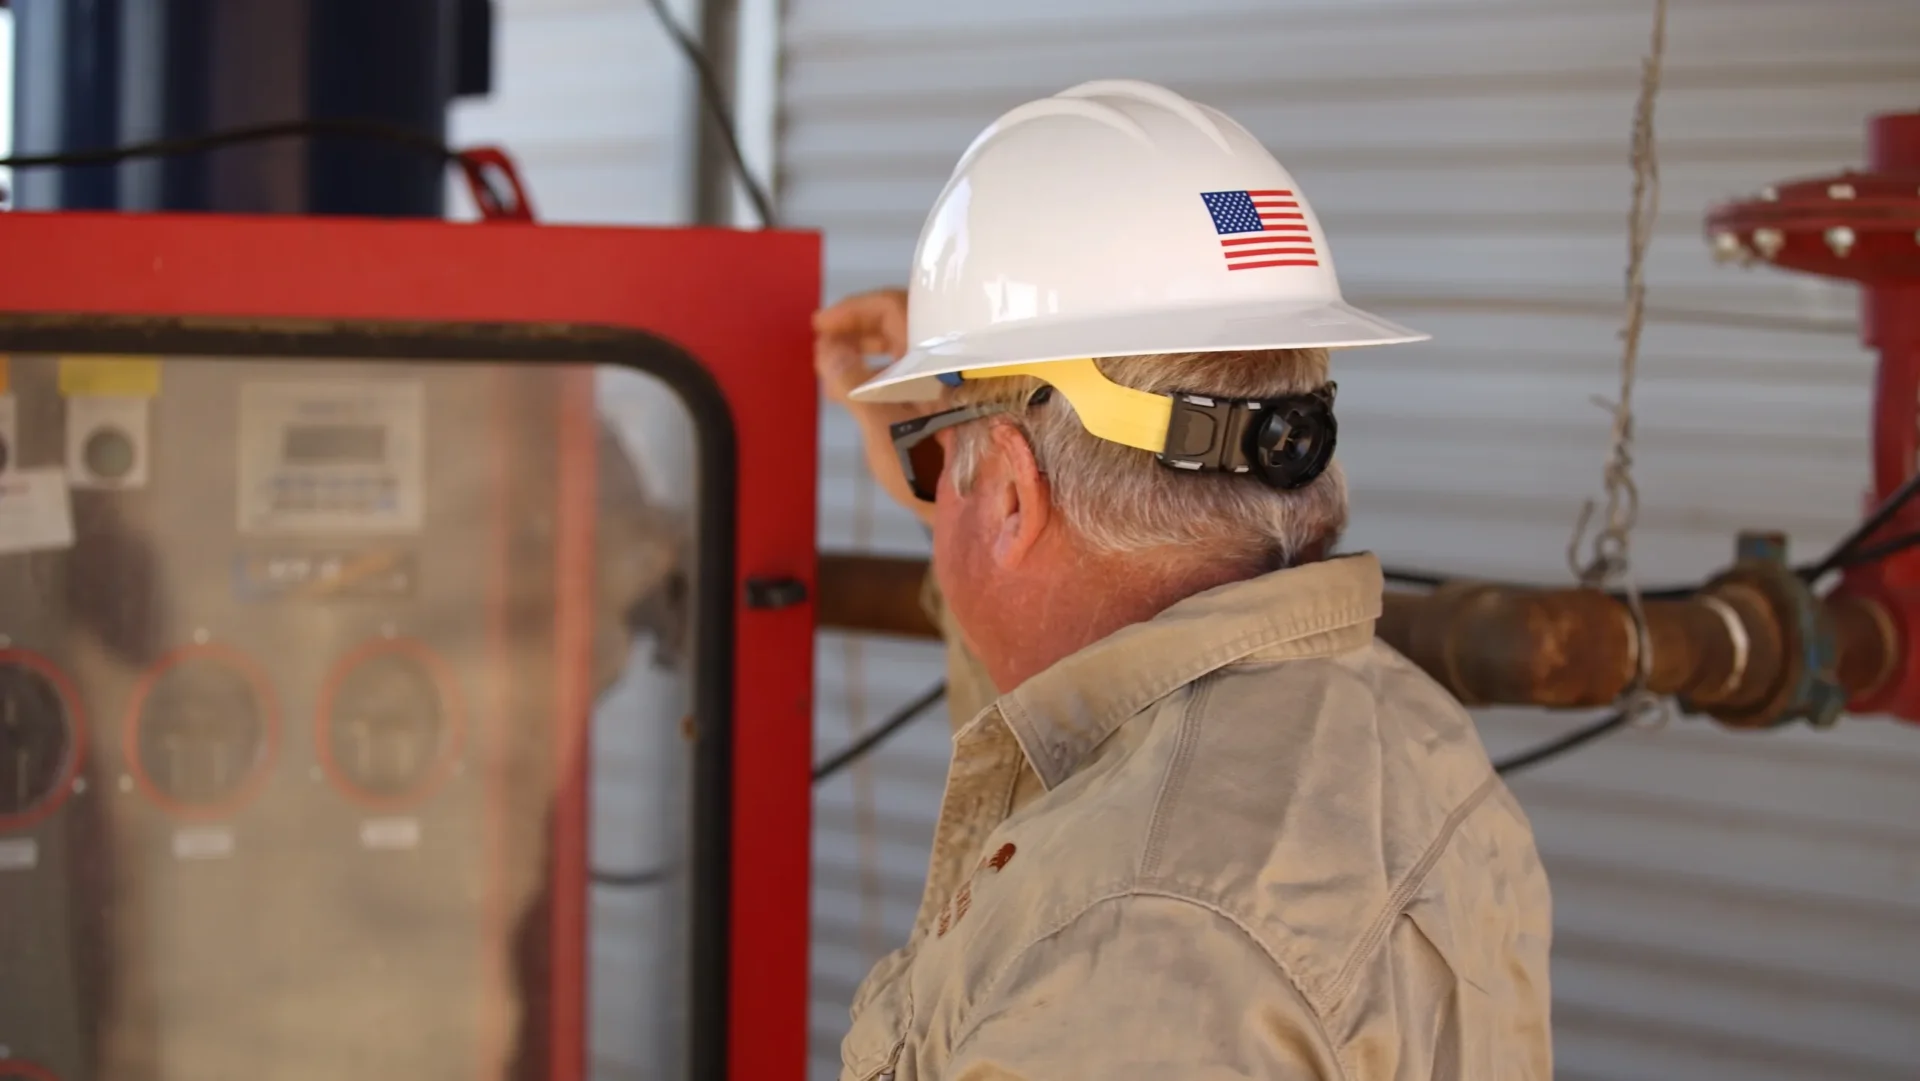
739	302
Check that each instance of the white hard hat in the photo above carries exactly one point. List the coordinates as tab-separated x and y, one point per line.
1113	219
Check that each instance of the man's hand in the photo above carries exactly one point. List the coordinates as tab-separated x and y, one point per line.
845	335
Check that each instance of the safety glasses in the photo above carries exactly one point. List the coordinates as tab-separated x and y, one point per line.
921	456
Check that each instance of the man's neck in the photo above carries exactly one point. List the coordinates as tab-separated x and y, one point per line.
1095	596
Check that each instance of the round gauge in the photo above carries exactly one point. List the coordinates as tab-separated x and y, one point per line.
108	453
40	738
388	723
202	732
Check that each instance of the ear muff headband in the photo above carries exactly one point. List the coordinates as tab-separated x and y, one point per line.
1286	441
1107	410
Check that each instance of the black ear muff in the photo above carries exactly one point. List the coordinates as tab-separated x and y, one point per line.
1293	443
1286	442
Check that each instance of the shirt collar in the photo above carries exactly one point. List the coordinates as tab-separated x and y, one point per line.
1062	714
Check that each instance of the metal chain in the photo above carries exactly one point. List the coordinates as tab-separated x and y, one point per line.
1611	551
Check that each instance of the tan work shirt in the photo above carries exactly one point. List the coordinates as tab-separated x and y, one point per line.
1261	845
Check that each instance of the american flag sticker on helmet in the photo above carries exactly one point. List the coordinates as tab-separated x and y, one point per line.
1261	229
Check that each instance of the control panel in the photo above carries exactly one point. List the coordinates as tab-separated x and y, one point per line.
279	663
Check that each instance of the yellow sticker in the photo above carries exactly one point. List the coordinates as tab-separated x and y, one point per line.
109	377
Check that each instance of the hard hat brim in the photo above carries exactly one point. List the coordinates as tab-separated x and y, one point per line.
1321	325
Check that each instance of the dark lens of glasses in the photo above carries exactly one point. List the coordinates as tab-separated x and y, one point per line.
927	459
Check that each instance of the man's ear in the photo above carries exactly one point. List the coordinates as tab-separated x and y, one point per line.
1023	503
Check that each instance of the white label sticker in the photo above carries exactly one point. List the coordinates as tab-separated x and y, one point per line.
332	459
19	854
107	444
203	843
9	433
35	513
390	833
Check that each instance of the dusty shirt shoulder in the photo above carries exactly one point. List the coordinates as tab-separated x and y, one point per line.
1310	826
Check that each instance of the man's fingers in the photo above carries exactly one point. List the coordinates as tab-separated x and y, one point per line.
839	356
877	319
850	316
840	370
846	334
836	320
888	336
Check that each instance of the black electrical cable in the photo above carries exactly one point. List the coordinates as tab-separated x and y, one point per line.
252	133
909	712
901	718
1850	545
716	102
859	749
1554	748
256	133
630	880
1874	553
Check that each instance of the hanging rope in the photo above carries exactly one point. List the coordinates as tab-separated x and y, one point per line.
1610	559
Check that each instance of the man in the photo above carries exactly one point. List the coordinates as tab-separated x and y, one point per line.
1202	825
875	324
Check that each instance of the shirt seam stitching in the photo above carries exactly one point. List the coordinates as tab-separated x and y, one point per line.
968	1029
1186	738
1402	894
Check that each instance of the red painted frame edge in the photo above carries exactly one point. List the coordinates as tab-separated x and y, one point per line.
738	302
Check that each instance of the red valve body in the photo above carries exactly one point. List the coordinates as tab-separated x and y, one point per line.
1864	227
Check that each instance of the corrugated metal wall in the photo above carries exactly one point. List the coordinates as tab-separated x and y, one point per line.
597	108
1728	905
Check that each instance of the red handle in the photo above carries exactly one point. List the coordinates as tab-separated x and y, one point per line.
480	166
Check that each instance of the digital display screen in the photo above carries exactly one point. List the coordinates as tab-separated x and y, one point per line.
310	444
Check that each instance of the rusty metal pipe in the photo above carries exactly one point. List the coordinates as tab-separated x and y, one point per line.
1722	652
874	595
1572	648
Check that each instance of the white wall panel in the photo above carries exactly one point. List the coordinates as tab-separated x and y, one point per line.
1728	904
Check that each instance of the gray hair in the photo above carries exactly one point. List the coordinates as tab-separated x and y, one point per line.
1122	500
